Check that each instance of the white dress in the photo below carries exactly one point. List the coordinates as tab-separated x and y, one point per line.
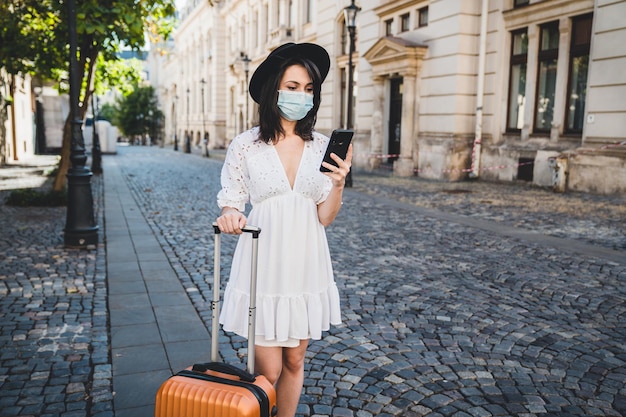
297	297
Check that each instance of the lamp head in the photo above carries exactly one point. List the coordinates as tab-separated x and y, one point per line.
350	13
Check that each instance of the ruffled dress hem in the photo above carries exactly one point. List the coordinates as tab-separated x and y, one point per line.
282	318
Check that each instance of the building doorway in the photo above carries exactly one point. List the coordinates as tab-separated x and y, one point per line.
395	118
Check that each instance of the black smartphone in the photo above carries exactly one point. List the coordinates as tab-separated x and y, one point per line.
338	144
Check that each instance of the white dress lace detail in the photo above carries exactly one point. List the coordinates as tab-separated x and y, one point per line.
297	297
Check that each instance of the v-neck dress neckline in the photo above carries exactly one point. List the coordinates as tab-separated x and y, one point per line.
285	175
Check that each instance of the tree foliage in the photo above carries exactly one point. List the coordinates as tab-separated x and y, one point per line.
34	40
119	75
138	113
31	32
108	112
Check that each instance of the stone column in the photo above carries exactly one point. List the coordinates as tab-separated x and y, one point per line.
283	19
531	81
404	166
560	91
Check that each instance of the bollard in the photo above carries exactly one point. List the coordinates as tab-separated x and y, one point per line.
559	165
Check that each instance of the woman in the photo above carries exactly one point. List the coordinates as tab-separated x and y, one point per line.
276	167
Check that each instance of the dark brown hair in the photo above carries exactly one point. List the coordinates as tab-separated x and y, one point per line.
269	114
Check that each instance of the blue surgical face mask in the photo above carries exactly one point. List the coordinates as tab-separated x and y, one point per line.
294	105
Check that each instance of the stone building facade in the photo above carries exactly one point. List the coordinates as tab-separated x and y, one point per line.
502	90
17	133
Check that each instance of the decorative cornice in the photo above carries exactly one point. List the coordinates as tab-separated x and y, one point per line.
395	55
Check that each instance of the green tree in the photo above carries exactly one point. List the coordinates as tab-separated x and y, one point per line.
121	75
25	41
138	113
108	112
34	40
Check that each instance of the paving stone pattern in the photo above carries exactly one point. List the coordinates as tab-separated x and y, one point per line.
594	219
446	312
439	318
54	350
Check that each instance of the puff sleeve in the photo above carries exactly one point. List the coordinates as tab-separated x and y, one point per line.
234	178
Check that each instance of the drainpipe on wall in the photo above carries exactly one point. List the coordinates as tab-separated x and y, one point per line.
480	88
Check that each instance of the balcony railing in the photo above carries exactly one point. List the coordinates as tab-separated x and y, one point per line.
281	35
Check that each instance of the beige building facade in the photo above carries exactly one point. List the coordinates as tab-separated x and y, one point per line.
501	90
18	132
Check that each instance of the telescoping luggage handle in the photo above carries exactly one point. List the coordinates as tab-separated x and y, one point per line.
215	303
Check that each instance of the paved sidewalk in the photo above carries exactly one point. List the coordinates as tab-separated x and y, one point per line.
155	330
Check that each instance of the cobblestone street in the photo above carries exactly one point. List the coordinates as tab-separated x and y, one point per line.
54	345
458	299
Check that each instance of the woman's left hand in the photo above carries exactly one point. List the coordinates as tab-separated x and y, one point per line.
339	173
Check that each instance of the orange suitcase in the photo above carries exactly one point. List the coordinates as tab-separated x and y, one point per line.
215	389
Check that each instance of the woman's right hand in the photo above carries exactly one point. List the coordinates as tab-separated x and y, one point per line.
231	221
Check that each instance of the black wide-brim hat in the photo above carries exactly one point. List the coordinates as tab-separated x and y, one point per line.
310	51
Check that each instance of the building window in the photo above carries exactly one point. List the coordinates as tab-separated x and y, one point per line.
546	77
577	74
422	15
388	27
520	3
404	22
517	79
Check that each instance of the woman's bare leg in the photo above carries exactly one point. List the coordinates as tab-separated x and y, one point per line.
289	385
283	367
269	362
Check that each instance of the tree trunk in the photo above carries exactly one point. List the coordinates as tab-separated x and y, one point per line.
64	163
66	148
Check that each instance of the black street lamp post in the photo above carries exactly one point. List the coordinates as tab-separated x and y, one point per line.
187	137
350	13
246	69
205	134
151	127
80	227
175	122
141	122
